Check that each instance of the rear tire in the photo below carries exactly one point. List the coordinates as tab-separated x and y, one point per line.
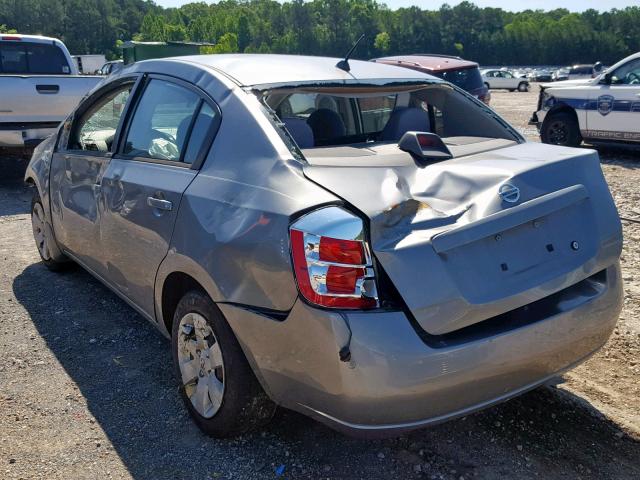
561	129
217	384
523	87
43	236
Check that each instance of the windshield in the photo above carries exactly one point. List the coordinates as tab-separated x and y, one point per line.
32	58
333	116
468	79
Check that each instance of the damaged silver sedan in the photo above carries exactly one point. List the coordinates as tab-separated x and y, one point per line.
361	243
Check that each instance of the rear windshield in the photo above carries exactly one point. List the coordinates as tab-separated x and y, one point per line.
334	116
19	57
468	79
582	70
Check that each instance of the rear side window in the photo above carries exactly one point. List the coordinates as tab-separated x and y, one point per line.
32	58
13	58
468	79
161	122
201	128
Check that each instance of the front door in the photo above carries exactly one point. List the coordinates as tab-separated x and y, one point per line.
143	185
615	108
77	166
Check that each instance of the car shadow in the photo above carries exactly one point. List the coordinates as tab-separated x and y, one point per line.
122	367
624	157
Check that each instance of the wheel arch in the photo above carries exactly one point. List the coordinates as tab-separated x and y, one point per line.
174	287
561	108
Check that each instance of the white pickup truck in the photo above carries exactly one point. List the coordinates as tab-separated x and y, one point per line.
39	87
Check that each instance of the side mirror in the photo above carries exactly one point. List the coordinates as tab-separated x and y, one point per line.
606	79
424	147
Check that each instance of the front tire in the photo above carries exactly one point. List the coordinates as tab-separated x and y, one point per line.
561	129
523	87
217	384
43	236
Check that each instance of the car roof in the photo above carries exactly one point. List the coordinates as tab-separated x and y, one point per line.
270	69
29	38
434	63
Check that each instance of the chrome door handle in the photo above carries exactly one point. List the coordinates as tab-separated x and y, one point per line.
159	203
96	187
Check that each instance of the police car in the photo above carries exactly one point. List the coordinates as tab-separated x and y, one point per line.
605	109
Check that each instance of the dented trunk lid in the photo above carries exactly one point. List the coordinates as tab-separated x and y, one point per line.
458	243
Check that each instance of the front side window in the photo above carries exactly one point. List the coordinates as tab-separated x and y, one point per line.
627	74
96	129
161	121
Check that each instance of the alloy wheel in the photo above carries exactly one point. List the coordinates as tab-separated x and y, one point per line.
39	231
201	364
558	133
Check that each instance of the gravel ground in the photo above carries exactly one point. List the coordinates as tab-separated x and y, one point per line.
87	390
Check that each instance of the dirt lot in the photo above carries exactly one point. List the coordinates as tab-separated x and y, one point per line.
87	390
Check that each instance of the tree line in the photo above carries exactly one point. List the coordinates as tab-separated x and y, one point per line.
329	27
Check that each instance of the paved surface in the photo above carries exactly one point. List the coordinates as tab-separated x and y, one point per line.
87	390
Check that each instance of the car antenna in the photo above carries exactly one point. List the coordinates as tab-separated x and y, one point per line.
344	64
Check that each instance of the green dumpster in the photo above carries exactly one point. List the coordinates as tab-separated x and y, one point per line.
135	51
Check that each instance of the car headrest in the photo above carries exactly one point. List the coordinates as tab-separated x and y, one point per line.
326	125
403	120
300	131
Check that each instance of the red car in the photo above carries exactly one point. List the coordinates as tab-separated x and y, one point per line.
462	73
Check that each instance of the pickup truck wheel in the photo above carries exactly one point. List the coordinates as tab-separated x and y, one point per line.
523	87
43	236
561	129
217	384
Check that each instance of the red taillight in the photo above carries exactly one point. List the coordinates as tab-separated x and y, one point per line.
341	251
332	272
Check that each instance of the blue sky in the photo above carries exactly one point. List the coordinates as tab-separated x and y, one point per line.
514	5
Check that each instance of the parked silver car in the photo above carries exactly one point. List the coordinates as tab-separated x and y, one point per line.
365	244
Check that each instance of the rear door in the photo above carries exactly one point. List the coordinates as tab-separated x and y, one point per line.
615	108
167	136
83	155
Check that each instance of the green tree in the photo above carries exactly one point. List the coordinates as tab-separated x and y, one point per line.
227	43
382	42
329	27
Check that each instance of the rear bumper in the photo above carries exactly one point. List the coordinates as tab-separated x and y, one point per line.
394	381
25	135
